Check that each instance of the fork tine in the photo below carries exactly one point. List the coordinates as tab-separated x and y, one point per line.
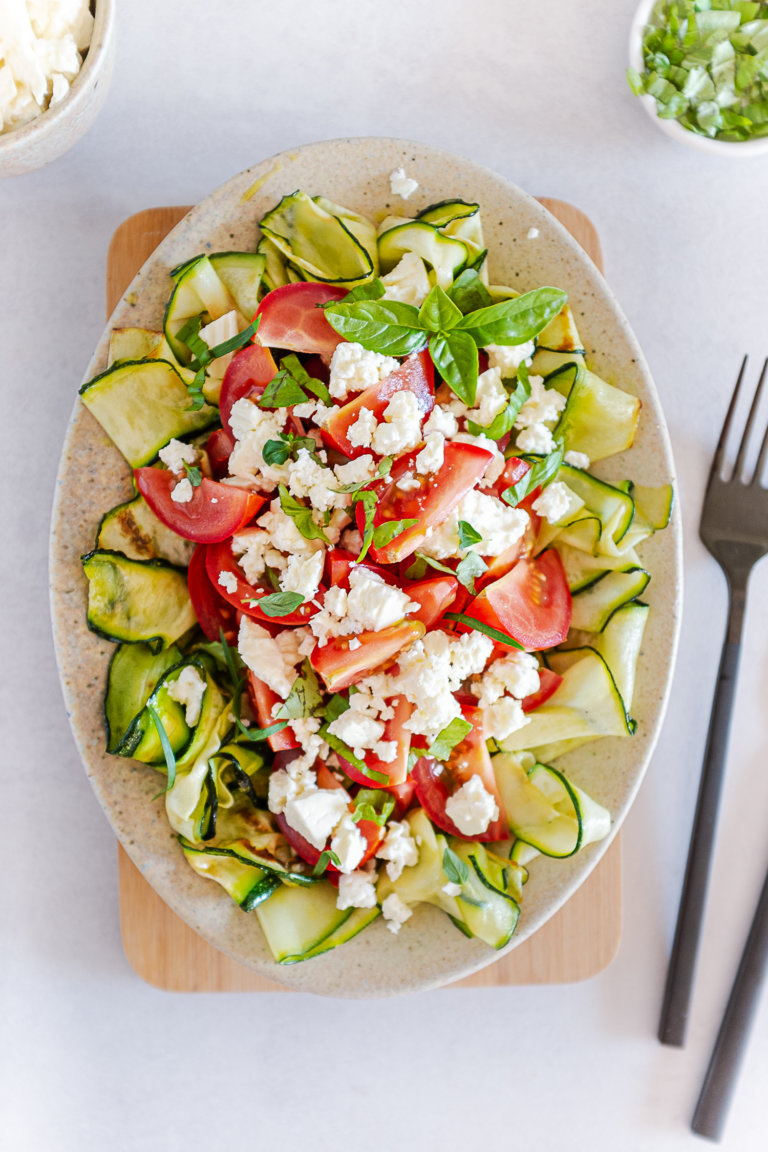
764	446
717	463
739	465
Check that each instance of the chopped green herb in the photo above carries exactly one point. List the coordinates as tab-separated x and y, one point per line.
301	516
193	475
327	857
373	290
346	752
479	626
282	392
454	868
445	741
385	533
439	313
468	570
279	603
336	706
304	698
468	292
235	343
170	759
384	326
468	535
373	804
543	469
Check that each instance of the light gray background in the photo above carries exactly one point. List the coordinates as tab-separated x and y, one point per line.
92	1058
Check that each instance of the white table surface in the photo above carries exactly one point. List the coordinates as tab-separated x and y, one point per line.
91	1057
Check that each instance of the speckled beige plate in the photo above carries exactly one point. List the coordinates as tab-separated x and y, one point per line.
93	477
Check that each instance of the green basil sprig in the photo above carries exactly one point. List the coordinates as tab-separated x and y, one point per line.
279	603
202	355
304	698
454	868
543	469
373	804
301	516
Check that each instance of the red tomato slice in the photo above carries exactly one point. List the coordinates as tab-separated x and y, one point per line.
549	682
415	374
220	558
212	611
339	665
339	564
214	513
514	470
403	794
434	596
436	782
372	832
219	449
397	769
532	603
429	504
292	317
263	700
499	565
248	373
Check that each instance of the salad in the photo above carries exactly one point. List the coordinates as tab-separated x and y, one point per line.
368	588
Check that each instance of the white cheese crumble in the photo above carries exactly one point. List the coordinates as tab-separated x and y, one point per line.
577	459
402	185
499	527
472	808
356	471
495	465
41	47
267	656
287	783
188	690
370	605
451	888
182	492
536	438
360	431
254	552
443	421
176	454
430	459
516	674
357	890
508	357
312	481
401	427
408	282
542	406
348	843
302	574
491	398
224	328
532	234
360	733
399	849
252	427
503	718
556	502
354	368
395	912
314	815
228	581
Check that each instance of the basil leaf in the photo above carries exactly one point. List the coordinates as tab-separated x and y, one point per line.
275	452
486	629
432	564
454	868
455	357
336	706
445	741
193	475
415	754
170	759
543	469
514	321
301	516
304	697
294	367
346	752
195	390
327	857
189	335
385	466
385	533
279	603
438	313
239	340
388	327
373	290
469	293
469	569
468	535
257	734
373	804
282	391
368	499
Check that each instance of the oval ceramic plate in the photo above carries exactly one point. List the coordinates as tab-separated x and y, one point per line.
93	477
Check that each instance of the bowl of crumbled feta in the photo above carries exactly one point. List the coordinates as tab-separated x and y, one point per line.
398	562
55	67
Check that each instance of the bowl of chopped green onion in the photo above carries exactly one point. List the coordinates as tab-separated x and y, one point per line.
700	68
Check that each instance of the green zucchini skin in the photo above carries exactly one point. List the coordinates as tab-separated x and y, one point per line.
137	601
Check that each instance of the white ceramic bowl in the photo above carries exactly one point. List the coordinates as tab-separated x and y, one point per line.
55	131
673	128
93	477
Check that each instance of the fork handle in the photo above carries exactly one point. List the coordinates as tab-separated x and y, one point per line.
682	963
720	1081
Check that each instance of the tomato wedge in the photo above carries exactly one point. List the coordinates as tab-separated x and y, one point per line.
219	449
339	665
248	373
371	831
514	471
549	682
219	559
214	513
339	563
396	770
436	783
292	317
263	700
429	504
434	596
532	603
212	610
415	374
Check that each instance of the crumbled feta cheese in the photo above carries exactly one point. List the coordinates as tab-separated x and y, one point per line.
532	234
451	888
252	427
217	332
302	574
495	465
357	890
536	438
356	471
308	479
263	655
395	912
577	460
373	604
349	844
401	428
385	750
283	532
441	420
188	690
499	526
360	733
491	398
508	357
254	551
542	406
354	644
472	807
287	783
354	368
402	185
315	815
182	492
516	674
556	501
409	483
360	431
503	718
228	581
176	454
430	459
408	282
398	848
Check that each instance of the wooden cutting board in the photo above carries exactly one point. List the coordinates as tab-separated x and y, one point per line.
577	943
